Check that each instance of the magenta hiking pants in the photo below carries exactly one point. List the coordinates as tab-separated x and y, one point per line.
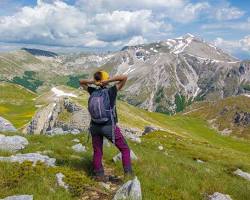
98	132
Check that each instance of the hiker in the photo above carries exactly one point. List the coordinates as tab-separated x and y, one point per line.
102	109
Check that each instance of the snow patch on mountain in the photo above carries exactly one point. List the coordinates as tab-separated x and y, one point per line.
60	93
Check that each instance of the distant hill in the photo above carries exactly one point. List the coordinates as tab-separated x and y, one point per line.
38	52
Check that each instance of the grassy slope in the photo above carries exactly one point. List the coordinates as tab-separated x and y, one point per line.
169	174
223	113
16	104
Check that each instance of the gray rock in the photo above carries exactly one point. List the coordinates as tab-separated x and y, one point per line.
119	156
19	197
32	157
76	140
106	143
75	132
47	119
130	190
149	129
242	174
131	134
219	196
60	182
6	126
12	143
79	148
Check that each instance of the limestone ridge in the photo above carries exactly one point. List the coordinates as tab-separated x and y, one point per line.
63	113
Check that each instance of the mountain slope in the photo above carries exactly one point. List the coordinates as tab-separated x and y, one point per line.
166	76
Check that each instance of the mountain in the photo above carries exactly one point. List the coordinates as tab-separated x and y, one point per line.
39	52
163	76
168	75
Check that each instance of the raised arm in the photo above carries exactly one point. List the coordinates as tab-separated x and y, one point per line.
85	83
120	79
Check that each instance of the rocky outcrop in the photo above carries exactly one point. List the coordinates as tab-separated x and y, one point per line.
12	143
130	190
119	156
242	118
32	157
219	196
6	126
19	197
60	117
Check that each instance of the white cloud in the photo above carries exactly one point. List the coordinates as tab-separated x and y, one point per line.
136	40
238	25
54	22
245	43
189	12
233	46
228	13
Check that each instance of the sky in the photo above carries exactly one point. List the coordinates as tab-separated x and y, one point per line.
108	25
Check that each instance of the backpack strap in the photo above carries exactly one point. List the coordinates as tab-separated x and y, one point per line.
112	116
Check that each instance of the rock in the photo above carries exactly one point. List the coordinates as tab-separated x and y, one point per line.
106	143
6	126
119	156
60	182
130	190
105	185
76	140
79	148
160	148
19	197
219	196
242	174
32	157
60	117
242	118
149	129
199	161
12	143
131	133
75	132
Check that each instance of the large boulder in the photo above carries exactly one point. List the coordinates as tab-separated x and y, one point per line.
12	143
130	190
19	197
60	117
32	157
6	126
219	196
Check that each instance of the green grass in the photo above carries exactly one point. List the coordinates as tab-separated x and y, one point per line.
170	174
16	104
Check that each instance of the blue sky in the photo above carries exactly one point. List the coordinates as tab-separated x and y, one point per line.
101	25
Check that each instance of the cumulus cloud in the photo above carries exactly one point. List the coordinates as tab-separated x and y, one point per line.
228	13
233	46
136	40
54	22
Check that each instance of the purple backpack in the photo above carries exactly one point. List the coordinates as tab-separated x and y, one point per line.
99	106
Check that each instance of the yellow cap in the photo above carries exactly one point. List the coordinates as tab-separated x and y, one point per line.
104	75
